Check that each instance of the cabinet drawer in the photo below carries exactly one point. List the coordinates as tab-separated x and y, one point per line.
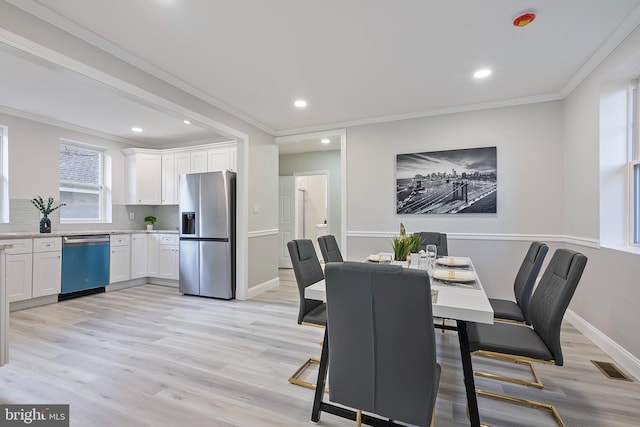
19	246
49	244
168	239
120	239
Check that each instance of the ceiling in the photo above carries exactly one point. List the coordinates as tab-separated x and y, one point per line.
355	62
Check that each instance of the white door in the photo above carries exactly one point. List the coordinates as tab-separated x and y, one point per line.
286	218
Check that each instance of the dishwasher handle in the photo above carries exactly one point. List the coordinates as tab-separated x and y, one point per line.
85	240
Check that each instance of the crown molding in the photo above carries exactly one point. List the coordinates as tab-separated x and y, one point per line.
630	23
426	113
65	125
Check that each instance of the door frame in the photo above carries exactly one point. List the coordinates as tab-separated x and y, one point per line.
342	134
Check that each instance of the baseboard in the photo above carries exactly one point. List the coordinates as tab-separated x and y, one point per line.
626	360
162	282
263	287
33	302
125	284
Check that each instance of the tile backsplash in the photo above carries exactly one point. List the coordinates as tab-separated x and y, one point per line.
24	217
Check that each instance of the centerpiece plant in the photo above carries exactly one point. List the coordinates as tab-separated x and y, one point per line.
45	210
405	244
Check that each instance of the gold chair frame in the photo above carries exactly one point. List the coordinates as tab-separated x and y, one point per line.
538	383
295	377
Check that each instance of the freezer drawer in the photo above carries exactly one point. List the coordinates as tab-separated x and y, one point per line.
206	269
189	275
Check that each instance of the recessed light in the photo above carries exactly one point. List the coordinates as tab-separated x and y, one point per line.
325	140
186	122
300	103
136	129
481	74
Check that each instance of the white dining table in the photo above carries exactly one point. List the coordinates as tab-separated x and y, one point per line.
462	302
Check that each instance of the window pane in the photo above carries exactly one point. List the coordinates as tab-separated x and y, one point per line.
80	182
78	164
80	205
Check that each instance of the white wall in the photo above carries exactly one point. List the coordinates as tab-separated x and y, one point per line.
33	158
529	149
608	298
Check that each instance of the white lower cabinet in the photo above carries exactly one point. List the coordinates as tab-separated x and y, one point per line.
138	255
168	259
163	256
120	258
47	266
18	268
33	267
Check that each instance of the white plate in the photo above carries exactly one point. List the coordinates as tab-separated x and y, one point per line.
454	275
452	261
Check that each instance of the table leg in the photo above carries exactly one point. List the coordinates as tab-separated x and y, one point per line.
322	377
467	368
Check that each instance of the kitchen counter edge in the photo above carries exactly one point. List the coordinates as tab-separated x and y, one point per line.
33	235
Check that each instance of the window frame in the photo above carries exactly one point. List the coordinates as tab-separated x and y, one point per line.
101	188
634	162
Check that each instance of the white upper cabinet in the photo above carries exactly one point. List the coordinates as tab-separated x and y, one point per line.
143	176
169	181
198	161
152	175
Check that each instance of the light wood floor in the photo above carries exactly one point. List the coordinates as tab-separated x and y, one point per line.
148	356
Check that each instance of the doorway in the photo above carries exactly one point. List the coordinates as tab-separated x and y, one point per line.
305	159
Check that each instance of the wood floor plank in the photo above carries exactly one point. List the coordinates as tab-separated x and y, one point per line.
148	356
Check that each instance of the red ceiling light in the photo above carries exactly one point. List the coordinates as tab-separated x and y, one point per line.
524	18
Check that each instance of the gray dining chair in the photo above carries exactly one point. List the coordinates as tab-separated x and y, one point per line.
382	354
308	271
329	248
541	341
518	311
434	238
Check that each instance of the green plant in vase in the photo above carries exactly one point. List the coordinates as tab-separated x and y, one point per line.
45	210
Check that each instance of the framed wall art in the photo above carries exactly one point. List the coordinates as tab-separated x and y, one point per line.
450	181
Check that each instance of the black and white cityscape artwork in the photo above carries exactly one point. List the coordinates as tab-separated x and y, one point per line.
451	181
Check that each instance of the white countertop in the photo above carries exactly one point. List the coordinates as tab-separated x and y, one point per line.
31	235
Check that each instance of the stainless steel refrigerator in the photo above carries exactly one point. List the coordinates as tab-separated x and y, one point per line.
207	234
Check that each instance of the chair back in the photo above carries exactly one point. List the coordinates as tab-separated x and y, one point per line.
552	296
527	275
434	238
382	356
329	248
307	270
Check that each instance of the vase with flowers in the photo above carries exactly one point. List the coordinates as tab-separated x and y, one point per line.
45	209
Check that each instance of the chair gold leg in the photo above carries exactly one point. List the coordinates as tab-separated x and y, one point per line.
433	419
537	383
358	418
525	402
294	378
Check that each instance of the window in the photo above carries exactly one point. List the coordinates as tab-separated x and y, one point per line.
82	186
634	161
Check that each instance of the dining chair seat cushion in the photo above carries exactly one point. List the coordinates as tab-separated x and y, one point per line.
317	315
507	338
506	309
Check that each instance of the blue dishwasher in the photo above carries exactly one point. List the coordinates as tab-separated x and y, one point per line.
85	263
